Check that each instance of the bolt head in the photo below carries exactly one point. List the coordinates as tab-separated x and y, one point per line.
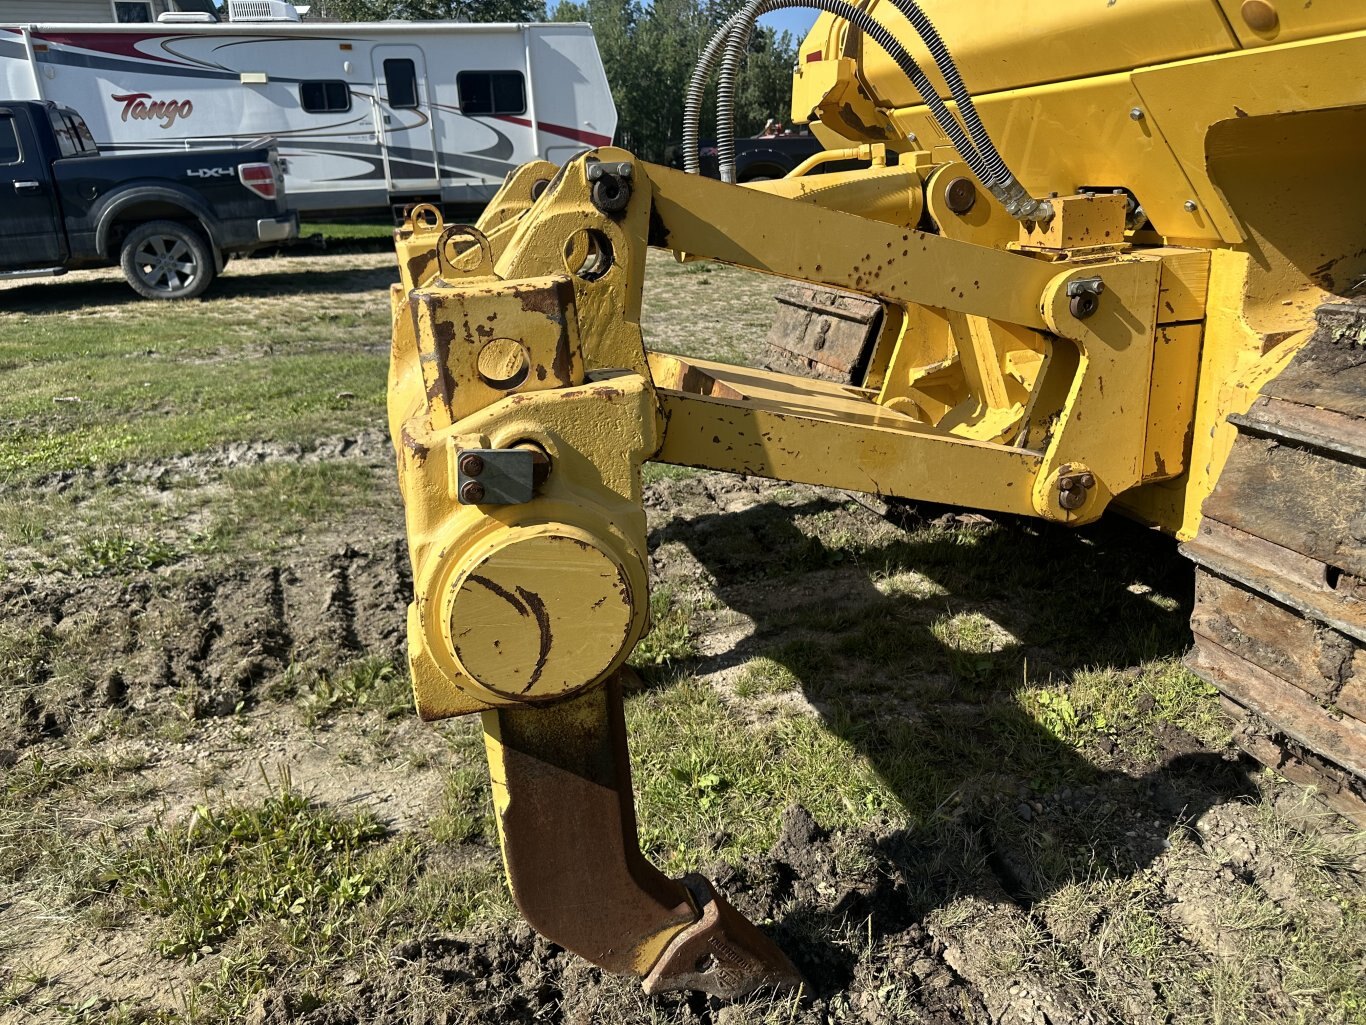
471	492
1065	483
1088	481
471	465
960	195
1191	206
1136	114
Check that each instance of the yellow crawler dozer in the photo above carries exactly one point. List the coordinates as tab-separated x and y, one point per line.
1101	257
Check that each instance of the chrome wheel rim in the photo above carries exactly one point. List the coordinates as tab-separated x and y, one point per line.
165	263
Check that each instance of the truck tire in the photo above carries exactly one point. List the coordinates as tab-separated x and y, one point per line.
167	260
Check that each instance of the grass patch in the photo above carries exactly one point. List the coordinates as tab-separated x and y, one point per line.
705	783
100	385
764	676
653	473
334	231
372	682
738	305
670	639
281	861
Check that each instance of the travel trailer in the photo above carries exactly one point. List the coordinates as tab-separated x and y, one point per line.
366	116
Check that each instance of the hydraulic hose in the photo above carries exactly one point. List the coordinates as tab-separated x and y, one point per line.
736	31
978	152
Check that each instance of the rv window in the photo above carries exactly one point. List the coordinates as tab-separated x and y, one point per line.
491	92
329	97
132	11
9	141
400	82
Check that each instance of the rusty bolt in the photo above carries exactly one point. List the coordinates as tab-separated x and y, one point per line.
1087	481
1065	483
471	465
960	195
471	492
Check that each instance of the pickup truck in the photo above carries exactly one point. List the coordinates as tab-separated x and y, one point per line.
169	219
757	159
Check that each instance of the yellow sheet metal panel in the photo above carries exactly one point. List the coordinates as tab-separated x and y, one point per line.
1185	284
1184	100
1010	44
1171	402
1236	360
1058	137
1266	22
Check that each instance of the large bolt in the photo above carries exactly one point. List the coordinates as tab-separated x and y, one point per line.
471	492
471	465
1260	15
960	195
1072	489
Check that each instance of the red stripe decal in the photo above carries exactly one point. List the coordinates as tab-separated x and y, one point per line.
587	138
121	44
814	55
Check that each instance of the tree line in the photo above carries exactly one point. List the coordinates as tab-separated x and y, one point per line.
648	50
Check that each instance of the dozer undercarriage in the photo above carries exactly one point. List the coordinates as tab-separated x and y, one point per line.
1142	302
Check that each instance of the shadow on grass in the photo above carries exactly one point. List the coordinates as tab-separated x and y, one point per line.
926	655
241	281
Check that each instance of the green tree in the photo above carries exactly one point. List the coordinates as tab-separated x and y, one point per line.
649	51
435	10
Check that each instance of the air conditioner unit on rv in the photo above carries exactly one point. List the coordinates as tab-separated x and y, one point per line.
263	10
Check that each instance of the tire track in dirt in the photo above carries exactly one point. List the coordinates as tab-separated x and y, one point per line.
205	641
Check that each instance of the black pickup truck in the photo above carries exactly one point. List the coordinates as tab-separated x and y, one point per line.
757	159
169	219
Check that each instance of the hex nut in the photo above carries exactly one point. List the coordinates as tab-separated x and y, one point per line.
471	492
471	465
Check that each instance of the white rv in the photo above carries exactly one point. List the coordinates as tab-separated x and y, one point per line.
365	115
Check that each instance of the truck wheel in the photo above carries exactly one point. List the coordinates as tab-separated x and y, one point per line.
166	260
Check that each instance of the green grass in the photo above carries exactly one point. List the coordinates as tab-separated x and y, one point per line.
281	862
373	682
670	637
700	775
103	385
334	232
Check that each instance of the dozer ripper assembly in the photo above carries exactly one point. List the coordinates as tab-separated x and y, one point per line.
1101	256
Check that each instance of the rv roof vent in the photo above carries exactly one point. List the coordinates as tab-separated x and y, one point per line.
261	10
186	17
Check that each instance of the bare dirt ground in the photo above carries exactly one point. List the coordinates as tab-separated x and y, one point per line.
954	766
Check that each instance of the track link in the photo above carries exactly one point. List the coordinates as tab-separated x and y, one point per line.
1280	590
